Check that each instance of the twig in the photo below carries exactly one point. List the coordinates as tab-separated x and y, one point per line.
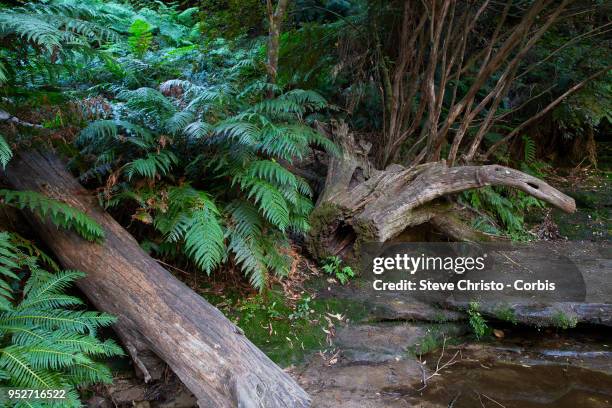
492	400
452	403
439	368
7	117
172	266
441	354
547	109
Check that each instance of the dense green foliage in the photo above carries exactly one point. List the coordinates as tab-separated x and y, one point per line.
185	137
48	342
202	157
188	137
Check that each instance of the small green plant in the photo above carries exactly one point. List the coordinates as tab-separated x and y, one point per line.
140	38
333	266
477	322
530	164
432	341
563	321
506	313
440	317
302	309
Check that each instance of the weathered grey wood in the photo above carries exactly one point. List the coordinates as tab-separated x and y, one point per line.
388	214
209	354
361	204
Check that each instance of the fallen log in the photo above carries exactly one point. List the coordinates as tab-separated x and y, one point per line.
362	204
156	312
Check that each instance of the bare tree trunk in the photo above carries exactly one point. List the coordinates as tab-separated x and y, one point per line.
361	204
275	20
431	46
156	312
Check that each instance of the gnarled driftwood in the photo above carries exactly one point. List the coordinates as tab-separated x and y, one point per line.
360	203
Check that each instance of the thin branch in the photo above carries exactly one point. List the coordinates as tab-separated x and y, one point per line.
7	117
547	109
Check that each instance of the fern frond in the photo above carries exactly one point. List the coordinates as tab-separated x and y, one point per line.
204	237
246	218
310	99
269	200
100	129
195	219
249	256
148	100
198	130
58	213
272	172
46	355
179	121
90	373
243	132
14	360
6	153
274	142
529	150
9	258
77	321
154	164
45	290
278	106
9	261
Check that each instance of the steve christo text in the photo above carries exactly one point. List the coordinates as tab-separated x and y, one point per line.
463	285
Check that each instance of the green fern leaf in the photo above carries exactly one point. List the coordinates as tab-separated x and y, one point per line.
6	153
59	213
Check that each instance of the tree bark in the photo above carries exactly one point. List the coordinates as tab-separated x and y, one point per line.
275	19
361	204
156	312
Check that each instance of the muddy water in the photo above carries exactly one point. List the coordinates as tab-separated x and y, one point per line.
468	384
526	370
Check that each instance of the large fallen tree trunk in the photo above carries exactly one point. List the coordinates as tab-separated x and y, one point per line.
361	204
155	310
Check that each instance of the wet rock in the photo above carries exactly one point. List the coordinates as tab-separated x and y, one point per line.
378	342
357	385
